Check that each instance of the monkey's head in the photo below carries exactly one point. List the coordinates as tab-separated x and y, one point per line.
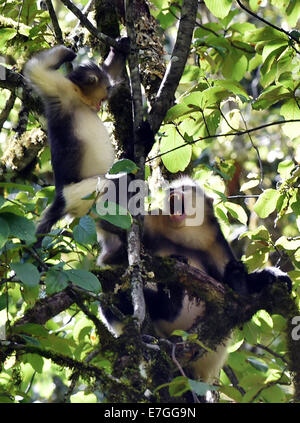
93	83
186	217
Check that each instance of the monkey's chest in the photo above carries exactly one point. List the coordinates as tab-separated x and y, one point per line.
98	153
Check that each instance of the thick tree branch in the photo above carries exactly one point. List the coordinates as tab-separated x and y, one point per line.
165	95
223	306
16	83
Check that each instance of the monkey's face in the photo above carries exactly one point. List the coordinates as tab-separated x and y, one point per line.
93	84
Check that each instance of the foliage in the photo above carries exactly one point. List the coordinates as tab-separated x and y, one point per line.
239	86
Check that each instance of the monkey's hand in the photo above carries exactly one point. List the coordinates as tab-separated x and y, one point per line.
237	277
59	55
123	45
259	279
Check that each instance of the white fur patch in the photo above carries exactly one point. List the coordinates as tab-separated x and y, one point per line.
98	152
74	194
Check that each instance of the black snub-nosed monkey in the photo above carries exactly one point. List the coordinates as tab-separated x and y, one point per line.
204	246
81	149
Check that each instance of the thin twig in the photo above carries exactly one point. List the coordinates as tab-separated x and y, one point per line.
54	20
233	379
270	351
238	133
289	35
85	22
174	359
257	153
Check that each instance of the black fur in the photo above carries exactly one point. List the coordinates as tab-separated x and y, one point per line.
91	86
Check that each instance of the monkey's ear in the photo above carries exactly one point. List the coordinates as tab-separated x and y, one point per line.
92	79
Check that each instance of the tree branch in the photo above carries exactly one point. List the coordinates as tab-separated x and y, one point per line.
134	233
56	27
166	92
290	36
238	133
85	22
7	109
222	305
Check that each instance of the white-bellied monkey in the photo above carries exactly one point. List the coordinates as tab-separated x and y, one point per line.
204	246
81	149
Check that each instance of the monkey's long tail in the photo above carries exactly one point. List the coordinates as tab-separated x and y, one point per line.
52	215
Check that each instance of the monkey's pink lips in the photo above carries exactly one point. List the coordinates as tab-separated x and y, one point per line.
177	218
98	107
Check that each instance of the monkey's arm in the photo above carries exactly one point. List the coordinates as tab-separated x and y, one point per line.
115	61
41	71
237	277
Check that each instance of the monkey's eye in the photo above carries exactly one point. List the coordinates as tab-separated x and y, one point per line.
92	79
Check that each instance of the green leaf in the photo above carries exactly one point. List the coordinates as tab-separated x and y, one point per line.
179	159
82	398
286	244
237	212
4	232
84	279
114	214
31	329
274	394
30	340
257	364
177	111
56	343
219	8
28	11
201	388
277	45
251	332
259	234
55	281
35	360
266	202
212	96
290	110
5	35
250	184
179	386
265	316
293	12
3	299
285	167
232	393
235	66
124	165
269	96
20	227
263	34
85	231
233	86
18	187
27	273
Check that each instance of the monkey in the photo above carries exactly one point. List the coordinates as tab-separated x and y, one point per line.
81	149
203	244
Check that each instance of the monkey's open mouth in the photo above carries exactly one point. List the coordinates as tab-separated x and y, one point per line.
177	213
98	107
